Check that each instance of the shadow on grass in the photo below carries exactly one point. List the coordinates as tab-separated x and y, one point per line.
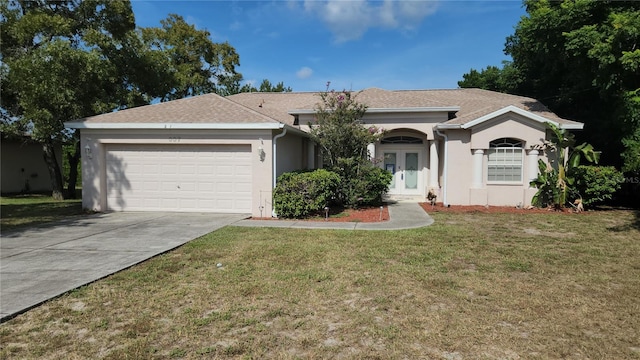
634	224
24	215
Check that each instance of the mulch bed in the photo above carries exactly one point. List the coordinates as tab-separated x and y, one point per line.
367	215
490	209
372	214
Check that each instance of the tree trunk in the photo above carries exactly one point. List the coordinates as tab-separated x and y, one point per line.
74	159
54	170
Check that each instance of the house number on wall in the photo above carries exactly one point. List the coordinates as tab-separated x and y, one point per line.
174	139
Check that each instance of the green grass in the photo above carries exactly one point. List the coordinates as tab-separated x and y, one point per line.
29	210
471	286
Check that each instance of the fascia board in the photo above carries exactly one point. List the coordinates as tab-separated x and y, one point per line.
388	110
176	126
504	110
448	126
578	126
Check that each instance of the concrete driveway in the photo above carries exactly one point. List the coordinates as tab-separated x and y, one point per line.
40	263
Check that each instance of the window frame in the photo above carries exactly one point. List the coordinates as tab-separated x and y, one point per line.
507	147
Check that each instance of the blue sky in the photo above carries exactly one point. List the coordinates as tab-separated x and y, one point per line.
354	44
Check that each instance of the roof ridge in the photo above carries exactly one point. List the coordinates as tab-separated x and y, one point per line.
251	110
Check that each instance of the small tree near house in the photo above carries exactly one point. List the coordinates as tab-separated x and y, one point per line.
556	181
343	138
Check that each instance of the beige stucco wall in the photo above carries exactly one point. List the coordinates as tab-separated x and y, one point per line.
420	121
23	163
462	143
94	170
509	125
290	150
459	167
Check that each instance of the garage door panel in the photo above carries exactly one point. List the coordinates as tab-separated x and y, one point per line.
214	178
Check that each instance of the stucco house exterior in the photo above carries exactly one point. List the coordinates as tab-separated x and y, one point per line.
23	167
223	154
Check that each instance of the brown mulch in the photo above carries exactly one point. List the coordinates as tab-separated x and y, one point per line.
372	214
490	209
368	215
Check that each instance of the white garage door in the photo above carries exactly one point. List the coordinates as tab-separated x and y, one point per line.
199	178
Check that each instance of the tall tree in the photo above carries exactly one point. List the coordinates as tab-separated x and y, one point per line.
54	71
505	79
582	59
195	64
265	86
67	59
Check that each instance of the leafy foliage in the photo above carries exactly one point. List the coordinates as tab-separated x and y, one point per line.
597	184
193	63
492	78
556	180
54	67
300	194
339	129
343	137
68	59
581	58
363	182
265	86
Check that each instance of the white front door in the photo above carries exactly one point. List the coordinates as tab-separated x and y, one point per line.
406	167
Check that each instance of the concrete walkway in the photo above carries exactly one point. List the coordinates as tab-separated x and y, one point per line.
40	263
402	215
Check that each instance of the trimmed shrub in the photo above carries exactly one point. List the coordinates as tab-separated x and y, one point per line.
363	182
300	194
597	184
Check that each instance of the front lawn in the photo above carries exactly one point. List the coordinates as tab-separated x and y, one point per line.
29	210
471	286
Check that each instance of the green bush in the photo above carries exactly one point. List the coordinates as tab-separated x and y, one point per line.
597	184
363	182
300	194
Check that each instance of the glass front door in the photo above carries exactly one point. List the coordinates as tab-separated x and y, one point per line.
405	167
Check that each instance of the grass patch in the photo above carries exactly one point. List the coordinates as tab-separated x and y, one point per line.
472	286
29	210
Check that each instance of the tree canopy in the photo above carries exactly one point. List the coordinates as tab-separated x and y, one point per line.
581	58
68	59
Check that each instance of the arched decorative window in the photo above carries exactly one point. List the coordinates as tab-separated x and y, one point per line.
401	140
505	159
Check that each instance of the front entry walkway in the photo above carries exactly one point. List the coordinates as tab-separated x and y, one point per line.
402	215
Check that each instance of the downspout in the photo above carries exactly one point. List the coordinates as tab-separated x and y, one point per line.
275	147
445	167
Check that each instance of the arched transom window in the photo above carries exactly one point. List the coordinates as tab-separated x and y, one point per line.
505	159
401	140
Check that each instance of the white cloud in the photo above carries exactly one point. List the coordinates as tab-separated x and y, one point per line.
349	20
236	25
304	72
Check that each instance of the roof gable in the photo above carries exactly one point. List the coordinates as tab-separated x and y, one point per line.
519	111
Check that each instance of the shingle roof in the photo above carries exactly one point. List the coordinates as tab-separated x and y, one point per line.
473	103
208	108
260	107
